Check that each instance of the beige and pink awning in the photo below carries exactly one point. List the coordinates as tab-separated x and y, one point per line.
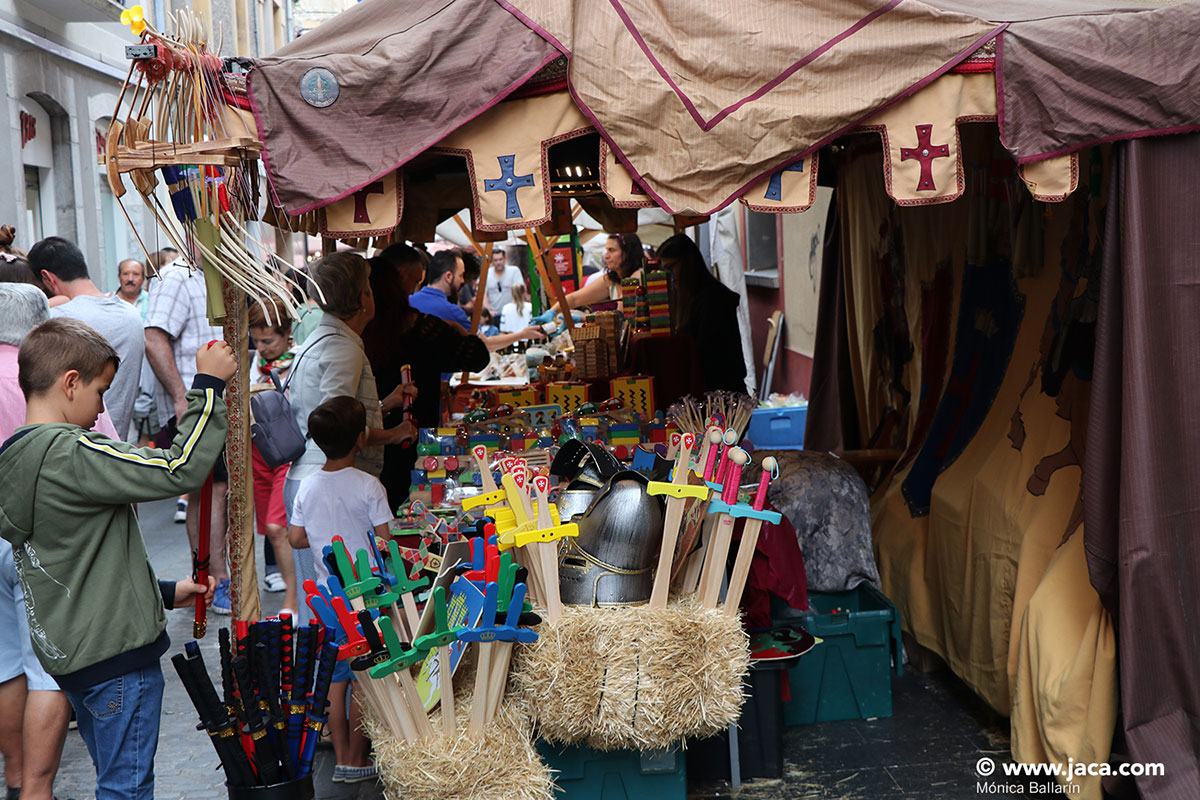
688	106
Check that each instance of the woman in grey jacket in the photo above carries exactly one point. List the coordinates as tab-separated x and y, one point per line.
333	363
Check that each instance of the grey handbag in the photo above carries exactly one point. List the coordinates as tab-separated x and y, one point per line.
275	431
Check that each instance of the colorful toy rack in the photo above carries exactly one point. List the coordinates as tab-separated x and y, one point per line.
658	301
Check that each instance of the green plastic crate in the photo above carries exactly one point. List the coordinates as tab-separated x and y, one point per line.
849	674
586	774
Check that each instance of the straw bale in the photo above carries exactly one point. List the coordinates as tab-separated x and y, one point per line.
502	765
634	677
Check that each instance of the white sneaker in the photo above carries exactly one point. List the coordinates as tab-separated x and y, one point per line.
181	511
274	582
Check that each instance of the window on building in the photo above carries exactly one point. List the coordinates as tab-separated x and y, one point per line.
34	230
762	241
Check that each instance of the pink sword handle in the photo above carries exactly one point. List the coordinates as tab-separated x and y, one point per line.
710	463
733	476
768	475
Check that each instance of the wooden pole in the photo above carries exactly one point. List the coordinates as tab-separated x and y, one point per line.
547	555
498	680
446	677
485	263
409	687
243	577
482	697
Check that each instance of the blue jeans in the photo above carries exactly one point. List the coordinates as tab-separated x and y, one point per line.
119	720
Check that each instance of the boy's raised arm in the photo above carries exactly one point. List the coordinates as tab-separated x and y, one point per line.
110	471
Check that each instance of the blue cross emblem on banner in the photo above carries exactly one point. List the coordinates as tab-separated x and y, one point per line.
775	185
508	183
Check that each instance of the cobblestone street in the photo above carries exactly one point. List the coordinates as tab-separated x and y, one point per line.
186	765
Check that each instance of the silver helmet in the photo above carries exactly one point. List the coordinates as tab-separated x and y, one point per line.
611	562
585	468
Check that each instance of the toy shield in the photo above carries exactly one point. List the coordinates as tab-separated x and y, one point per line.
611	562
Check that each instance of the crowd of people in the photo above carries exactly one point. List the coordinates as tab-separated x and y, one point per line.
72	560
110	399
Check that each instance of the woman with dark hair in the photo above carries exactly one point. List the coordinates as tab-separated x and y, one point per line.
705	309
14	268
400	335
623	258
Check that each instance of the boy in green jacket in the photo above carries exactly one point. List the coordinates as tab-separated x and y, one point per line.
95	608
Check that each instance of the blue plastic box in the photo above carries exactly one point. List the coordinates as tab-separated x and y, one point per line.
778	428
848	675
586	774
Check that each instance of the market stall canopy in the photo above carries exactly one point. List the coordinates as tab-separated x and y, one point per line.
379	83
689	106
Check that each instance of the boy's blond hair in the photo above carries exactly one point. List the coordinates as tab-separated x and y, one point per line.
57	346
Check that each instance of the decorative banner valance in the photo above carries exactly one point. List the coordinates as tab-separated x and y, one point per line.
506	153
923	163
618	183
788	190
373	210
505	148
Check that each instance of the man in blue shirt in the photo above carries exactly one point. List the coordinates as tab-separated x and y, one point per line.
439	296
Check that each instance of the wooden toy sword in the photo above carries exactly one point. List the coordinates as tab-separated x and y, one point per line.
718	550
677	492
754	521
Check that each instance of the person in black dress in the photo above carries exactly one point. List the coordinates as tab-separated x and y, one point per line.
400	335
705	309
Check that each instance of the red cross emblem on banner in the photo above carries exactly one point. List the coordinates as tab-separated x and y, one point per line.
361	217
925	153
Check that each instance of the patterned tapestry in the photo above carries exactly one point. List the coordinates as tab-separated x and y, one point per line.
970	328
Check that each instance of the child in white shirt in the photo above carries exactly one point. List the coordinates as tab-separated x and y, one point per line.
515	316
341	501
